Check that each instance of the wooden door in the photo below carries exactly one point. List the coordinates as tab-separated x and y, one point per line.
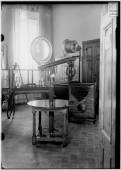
107	90
90	61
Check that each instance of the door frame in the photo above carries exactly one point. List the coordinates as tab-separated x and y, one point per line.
115	115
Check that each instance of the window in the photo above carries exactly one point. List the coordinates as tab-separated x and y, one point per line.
25	29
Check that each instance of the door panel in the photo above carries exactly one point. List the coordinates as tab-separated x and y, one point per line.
107	97
107	80
96	60
90	61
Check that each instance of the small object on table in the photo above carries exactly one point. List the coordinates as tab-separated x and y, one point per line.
43	105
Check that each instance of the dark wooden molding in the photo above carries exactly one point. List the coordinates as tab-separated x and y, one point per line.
90	41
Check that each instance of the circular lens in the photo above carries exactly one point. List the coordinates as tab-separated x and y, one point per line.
41	50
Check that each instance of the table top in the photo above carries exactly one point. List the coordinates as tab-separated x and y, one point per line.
44	104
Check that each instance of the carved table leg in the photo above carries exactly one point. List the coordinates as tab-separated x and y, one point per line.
34	127
65	128
64	133
67	122
51	122
40	126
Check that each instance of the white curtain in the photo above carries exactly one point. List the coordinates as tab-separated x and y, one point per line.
25	29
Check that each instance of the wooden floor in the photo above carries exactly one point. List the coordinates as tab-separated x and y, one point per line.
18	151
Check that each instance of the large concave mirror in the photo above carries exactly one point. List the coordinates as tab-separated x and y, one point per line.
41	50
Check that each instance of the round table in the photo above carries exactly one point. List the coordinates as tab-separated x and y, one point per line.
43	105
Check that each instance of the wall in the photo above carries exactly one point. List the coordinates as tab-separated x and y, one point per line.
79	22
